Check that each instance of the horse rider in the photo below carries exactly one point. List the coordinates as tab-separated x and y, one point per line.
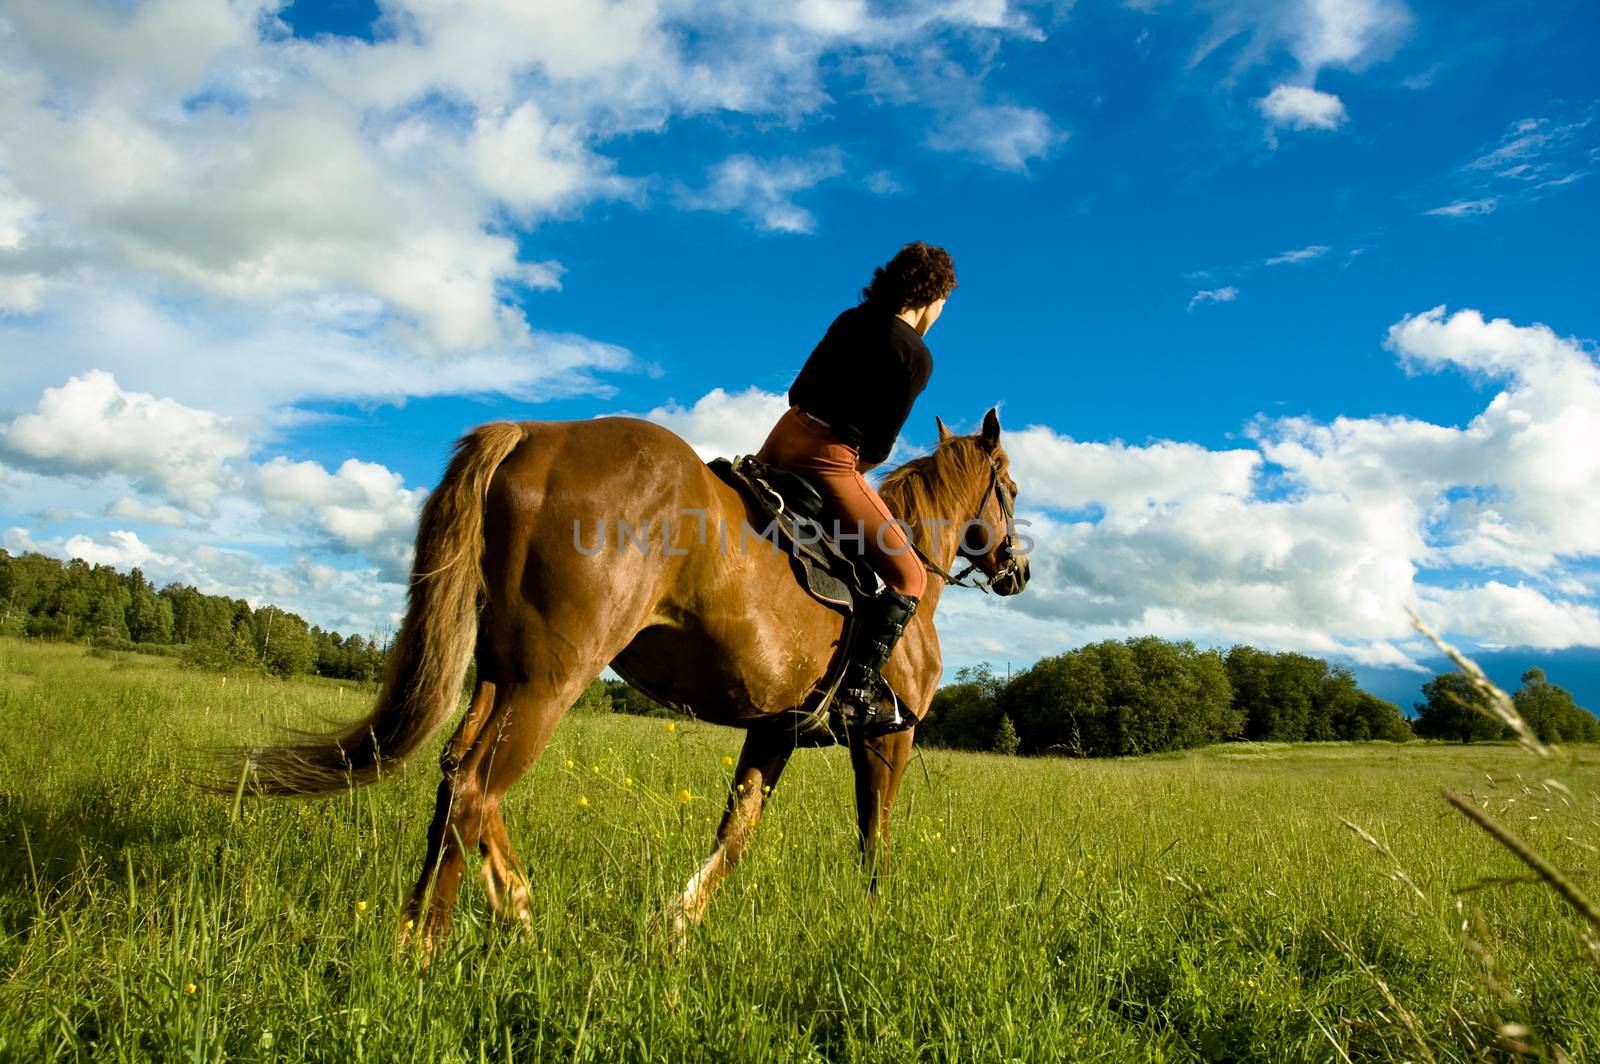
846	409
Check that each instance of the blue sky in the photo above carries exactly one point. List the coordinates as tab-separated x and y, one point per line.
260	264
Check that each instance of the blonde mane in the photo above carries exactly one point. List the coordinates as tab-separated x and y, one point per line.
936	485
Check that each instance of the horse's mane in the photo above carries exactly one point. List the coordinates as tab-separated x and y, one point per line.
935	485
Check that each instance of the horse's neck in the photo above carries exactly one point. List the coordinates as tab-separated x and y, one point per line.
940	536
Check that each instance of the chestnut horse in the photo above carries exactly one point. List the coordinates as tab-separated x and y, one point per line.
516	564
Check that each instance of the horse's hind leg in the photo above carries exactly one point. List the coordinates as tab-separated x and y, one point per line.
502	746
439	853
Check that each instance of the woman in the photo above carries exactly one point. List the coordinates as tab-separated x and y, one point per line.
846	409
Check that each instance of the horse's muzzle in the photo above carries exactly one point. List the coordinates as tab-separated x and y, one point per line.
1014	580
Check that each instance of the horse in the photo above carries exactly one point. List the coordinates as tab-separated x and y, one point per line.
514	568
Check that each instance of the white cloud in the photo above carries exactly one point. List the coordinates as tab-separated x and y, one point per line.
1213	295
1300	107
882	183
90	426
763	191
1530	146
1505	615
195	462
1534	158
128	508
723	423
123	550
1466	208
1008	136
253	366
1305	254
17	216
360	506
1507	491
1349	34
20	292
536	166
1128	481
1319	34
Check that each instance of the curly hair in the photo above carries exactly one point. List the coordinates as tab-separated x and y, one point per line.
918	274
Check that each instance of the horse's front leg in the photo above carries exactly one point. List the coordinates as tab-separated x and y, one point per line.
879	764
761	762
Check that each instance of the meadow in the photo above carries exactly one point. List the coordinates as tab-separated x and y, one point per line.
1206	905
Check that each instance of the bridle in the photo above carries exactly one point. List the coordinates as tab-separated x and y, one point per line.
1007	552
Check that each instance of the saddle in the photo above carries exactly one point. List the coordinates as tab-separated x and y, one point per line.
788	513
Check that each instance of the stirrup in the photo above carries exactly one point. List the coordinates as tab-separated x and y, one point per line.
868	715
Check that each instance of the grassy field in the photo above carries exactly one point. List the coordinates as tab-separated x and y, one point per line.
1203	906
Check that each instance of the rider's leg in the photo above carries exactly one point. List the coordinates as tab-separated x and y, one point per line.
852	504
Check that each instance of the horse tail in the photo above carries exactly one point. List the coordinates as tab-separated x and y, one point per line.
429	657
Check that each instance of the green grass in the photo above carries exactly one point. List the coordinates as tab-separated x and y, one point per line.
1207	905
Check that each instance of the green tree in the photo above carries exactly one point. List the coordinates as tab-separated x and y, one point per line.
1005	737
149	616
1381	719
1058	705
627	699
287	648
1214	708
1453	710
1250	675
107	619
1551	712
964	715
595	699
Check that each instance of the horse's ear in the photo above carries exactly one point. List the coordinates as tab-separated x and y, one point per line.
991	428
944	433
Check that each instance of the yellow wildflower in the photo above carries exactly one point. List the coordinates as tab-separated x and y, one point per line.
189	988
727	762
684	796
672	726
583	800
361	906
627	781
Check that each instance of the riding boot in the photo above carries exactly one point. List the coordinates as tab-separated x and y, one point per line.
863	694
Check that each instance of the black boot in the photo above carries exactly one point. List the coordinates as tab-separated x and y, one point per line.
864	700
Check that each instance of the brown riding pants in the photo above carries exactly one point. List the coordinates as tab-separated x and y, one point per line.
805	445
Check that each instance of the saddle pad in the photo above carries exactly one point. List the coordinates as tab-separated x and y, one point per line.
829	576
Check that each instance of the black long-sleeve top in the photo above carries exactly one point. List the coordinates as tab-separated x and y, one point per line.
863	377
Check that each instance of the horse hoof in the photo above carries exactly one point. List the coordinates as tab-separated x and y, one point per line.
671	927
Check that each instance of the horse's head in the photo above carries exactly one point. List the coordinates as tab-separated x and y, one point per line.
988	539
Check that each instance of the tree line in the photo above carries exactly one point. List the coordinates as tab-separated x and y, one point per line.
1453	710
1147	695
50	599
